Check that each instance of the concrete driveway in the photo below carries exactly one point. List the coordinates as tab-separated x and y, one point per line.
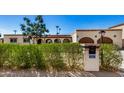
105	74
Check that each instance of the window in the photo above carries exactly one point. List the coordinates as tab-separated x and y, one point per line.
25	40
13	40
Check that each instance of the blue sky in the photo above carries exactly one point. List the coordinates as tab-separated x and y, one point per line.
68	23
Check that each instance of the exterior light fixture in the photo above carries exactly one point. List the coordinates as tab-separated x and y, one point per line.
102	33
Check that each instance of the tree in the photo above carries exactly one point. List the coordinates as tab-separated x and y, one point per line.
15	31
34	29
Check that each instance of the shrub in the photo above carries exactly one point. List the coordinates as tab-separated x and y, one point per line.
62	56
45	56
7	55
73	56
52	57
112	58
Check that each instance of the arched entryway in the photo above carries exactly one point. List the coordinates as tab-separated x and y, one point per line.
39	41
66	41
57	41
106	40
48	41
85	40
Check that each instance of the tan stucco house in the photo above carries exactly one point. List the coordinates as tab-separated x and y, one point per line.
114	35
20	39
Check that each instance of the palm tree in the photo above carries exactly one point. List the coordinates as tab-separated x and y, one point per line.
15	31
58	32
57	27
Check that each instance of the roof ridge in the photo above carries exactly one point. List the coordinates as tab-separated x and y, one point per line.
117	25
98	29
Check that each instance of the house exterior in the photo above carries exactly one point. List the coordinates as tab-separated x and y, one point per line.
113	35
93	36
20	39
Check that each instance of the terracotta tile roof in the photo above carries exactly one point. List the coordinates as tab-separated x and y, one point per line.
117	25
60	36
99	29
13	35
48	36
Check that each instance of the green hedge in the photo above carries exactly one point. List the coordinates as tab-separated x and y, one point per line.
112	58
44	56
56	57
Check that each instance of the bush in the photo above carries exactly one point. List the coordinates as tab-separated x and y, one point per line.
112	58
73	55
45	56
52	57
62	56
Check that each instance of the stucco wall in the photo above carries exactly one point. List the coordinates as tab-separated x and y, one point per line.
7	39
120	27
91	64
122	53
20	39
116	40
74	37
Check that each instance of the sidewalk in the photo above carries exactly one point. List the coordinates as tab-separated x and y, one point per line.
105	74
38	73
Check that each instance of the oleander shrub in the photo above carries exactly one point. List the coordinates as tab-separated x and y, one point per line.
112	58
49	57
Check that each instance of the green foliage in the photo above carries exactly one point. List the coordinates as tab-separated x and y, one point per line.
73	55
49	57
112	58
34	29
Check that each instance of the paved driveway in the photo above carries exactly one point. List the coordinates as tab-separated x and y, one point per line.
105	74
34	73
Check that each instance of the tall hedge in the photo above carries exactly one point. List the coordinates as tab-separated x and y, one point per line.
112	58
44	56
